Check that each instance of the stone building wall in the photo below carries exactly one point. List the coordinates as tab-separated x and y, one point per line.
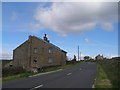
20	55
43	54
36	49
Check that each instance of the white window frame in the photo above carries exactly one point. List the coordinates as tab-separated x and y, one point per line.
50	50
35	50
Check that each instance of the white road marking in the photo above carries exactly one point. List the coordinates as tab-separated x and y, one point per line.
36	87
45	73
80	68
69	73
93	86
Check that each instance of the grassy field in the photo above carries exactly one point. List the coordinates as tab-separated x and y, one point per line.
108	74
26	74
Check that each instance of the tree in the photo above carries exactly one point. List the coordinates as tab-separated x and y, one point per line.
86	58
74	58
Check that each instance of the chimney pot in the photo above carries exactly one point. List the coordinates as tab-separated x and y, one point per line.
45	38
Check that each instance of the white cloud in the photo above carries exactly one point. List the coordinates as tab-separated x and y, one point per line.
82	56
87	40
71	56
75	18
5	54
0	18
110	55
34	27
13	16
107	27
60	0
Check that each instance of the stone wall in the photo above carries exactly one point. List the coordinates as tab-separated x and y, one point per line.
20	56
25	54
59	57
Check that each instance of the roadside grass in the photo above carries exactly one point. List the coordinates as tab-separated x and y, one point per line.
27	74
63	67
22	75
107	74
102	80
0	79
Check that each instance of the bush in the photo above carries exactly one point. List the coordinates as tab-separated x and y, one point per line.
71	62
9	71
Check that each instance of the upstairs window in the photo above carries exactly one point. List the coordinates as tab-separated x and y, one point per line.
50	60
35	50
50	50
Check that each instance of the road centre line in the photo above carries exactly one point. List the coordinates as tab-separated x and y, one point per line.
36	87
69	73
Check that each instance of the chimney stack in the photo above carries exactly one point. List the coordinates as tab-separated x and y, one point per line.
45	38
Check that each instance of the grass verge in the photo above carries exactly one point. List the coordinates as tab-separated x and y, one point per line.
107	74
102	80
63	67
22	75
26	74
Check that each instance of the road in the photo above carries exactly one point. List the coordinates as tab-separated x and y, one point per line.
81	76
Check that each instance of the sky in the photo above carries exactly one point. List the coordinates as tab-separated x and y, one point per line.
91	25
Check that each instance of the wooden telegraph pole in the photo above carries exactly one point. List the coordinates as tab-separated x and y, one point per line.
80	55
78	52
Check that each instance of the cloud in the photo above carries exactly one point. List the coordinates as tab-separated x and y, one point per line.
107	27
87	40
71	56
5	54
0	17
82	56
13	16
34	27
110	55
76	18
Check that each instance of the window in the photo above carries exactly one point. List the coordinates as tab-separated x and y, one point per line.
35	50
50	60
50	50
35	59
43	50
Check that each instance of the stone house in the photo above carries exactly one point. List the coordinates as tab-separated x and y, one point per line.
37	53
99	57
87	58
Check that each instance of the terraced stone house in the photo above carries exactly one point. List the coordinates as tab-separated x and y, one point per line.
37	53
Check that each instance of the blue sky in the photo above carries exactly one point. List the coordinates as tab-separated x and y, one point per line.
67	25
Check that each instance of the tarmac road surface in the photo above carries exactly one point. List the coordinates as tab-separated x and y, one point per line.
80	76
